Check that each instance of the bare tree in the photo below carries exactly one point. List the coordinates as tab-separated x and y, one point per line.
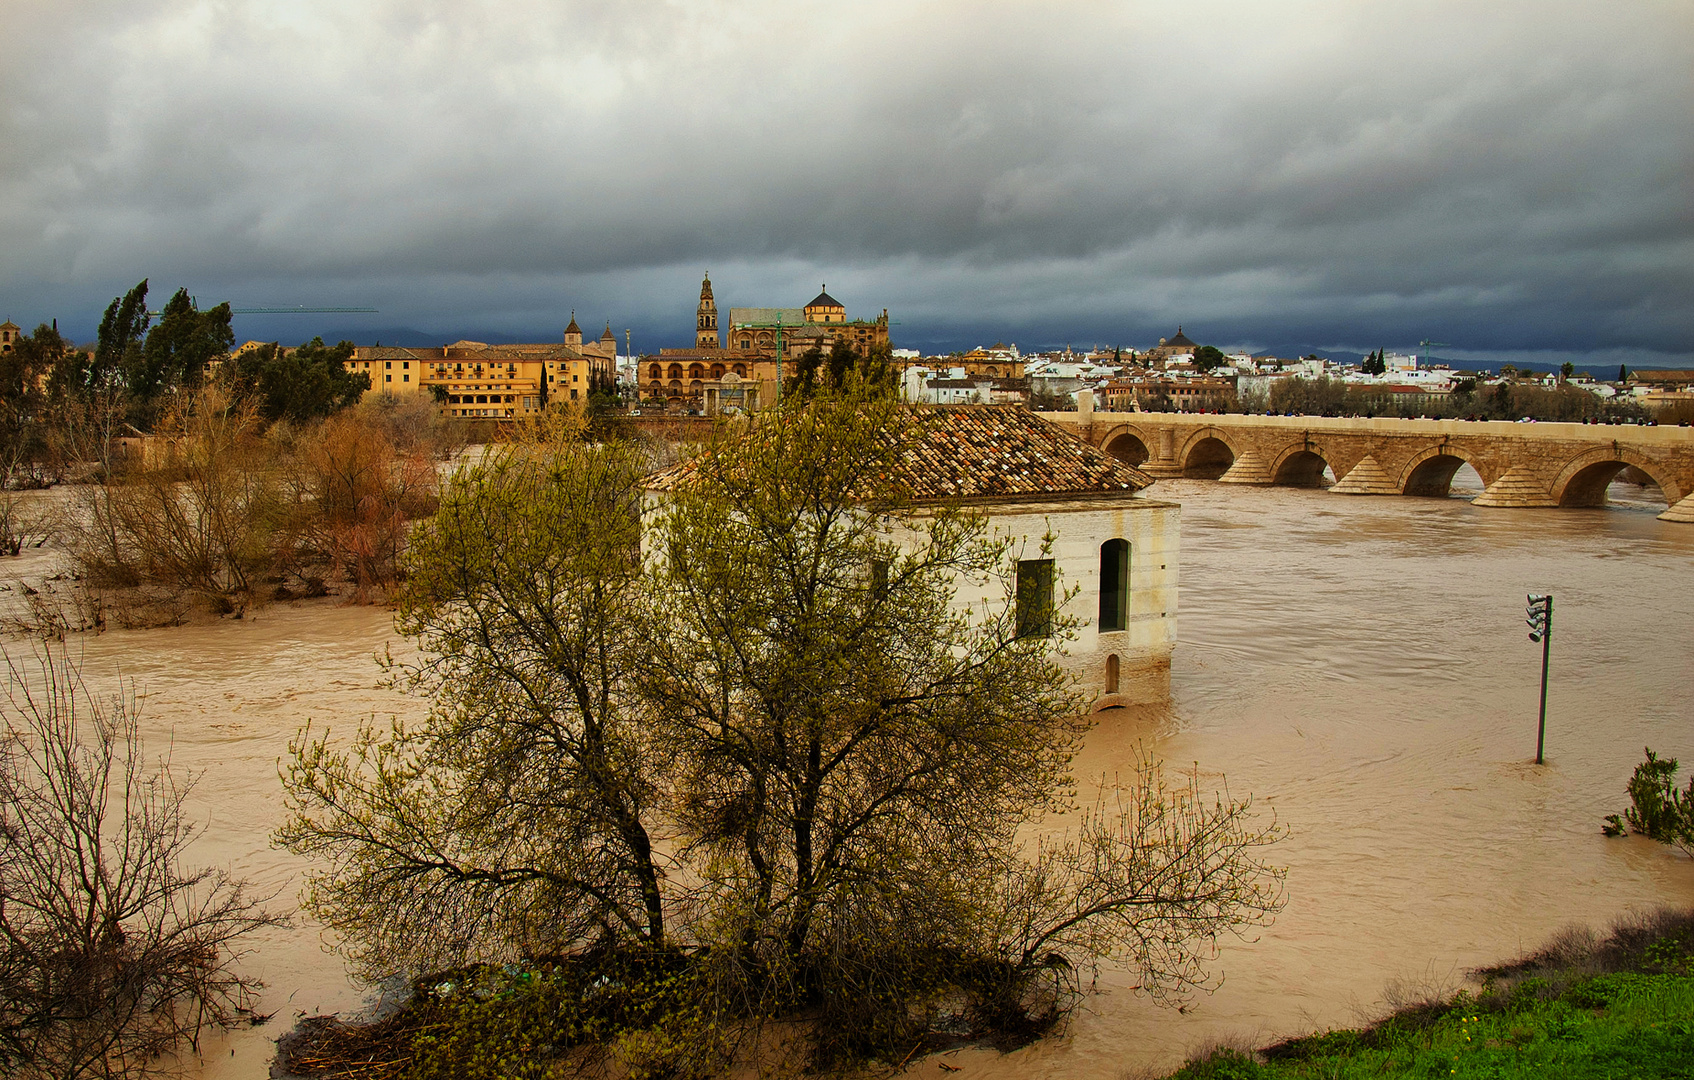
113	949
1151	877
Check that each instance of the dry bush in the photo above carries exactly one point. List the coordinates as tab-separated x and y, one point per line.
362	488
217	510
1637	941
203	514
415	425
24	523
113	951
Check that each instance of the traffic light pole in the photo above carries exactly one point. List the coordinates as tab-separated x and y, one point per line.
1541	730
1541	622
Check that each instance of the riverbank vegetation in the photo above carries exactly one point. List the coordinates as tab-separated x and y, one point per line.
200	483
730	776
1584	1007
1657	810
221	511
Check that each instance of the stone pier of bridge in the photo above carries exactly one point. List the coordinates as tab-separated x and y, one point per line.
1521	464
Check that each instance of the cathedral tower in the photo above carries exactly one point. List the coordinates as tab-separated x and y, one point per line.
706	322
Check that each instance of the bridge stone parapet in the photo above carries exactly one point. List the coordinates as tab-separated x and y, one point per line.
1521	464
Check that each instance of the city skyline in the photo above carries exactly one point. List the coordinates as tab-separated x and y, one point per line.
1515	180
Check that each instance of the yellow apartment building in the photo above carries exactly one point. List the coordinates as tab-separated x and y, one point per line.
475	380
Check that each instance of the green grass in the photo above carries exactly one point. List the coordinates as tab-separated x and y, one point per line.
1582	1009
1645	1028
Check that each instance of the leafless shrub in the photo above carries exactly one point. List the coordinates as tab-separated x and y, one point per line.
1153	876
415	425
113	951
216	510
1424	996
1631	943
201	512
363	483
24	523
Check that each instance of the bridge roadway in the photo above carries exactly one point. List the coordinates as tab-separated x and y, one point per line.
1520	464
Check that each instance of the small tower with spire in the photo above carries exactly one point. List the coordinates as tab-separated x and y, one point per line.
706	318
573	333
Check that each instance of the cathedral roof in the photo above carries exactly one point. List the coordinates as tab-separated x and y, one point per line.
1181	340
826	300
573	328
608	335
766	316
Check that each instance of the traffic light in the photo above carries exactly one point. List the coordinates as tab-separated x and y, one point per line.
1540	616
1541	629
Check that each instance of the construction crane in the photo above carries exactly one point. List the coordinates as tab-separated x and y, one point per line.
302	310
1427	344
299	310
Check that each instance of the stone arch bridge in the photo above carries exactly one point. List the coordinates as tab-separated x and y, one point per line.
1520	464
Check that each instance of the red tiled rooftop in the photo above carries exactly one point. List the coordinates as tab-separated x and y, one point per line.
999	453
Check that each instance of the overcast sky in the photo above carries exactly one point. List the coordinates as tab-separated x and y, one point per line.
1516	179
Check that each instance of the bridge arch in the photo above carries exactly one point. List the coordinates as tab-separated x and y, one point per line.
1301	464
1430	471
1206	454
1584	480
1128	444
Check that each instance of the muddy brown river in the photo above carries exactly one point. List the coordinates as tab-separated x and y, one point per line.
1358	664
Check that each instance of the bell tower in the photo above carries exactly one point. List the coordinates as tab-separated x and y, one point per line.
706	318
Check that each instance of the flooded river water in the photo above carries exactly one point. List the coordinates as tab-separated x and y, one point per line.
1358	664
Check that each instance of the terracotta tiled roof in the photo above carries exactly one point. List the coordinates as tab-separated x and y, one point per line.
1661	376
393	352
990	453
1007	452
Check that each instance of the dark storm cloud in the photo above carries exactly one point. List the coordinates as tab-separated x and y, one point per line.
1503	176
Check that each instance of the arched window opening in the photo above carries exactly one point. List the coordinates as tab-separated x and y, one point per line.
1114	585
1035	598
1112	674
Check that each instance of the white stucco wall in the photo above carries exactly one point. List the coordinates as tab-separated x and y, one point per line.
1079	527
